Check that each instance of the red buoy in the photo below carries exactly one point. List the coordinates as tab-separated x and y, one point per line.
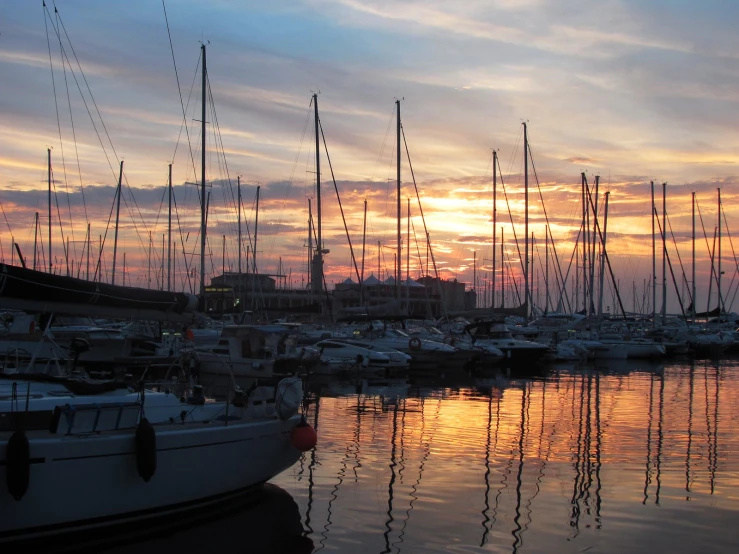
303	437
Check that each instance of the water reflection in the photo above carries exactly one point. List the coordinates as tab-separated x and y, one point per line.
269	524
598	458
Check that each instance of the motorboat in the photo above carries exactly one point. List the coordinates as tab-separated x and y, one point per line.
79	456
708	343
247	351
625	346
362	358
426	354
498	334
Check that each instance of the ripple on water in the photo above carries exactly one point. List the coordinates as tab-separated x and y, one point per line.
625	457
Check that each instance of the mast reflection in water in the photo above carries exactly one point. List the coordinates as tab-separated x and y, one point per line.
618	458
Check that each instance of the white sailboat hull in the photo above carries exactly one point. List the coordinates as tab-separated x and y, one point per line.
84	482
83	459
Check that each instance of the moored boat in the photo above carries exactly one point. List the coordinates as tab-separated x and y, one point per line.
82	455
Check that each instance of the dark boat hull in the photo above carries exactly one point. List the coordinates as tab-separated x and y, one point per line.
36	291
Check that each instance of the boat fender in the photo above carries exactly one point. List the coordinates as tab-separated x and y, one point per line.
414	343
146	450
303	436
238	399
365	361
18	464
288	396
32	327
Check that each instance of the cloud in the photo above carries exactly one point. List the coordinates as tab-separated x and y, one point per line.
632	92
582	160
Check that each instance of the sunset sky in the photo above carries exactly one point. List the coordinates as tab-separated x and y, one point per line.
629	90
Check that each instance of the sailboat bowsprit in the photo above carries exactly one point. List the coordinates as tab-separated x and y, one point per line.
29	290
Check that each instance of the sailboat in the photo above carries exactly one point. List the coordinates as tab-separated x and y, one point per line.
79	457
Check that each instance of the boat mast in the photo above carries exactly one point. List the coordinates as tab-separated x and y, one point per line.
526	219
408	259
169	232
654	261
502	269
161	270
310	245
592	248
148	261
546	269
495	215
379	276
88	250
664	253
35	240
720	300
117	216
692	311
202	176
256	230
398	269
603	256
317	273
364	243
474	275
238	188
48	151
584	242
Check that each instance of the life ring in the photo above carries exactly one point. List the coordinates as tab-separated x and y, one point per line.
414	343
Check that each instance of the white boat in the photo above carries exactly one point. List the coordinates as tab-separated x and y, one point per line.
78	456
81	341
426	354
248	351
626	347
358	357
488	355
498	335
710	343
25	340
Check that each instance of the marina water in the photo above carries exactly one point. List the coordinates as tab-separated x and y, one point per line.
615	458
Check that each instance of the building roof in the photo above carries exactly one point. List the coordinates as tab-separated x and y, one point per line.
372	280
